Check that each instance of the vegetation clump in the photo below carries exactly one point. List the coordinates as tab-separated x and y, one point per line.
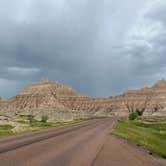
5	130
133	116
140	113
31	119
44	118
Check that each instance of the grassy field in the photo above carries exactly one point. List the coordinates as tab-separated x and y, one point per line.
148	133
34	125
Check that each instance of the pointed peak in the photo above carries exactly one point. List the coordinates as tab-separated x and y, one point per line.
161	83
44	80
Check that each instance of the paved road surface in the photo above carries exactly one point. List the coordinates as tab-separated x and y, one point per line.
85	144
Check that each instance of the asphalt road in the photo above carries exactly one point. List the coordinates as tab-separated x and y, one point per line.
87	144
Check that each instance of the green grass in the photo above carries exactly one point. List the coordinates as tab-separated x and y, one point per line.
5	130
37	125
5	127
155	119
151	136
34	125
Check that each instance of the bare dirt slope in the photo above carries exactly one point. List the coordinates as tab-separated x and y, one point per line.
85	144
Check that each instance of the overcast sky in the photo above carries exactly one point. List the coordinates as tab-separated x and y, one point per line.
98	47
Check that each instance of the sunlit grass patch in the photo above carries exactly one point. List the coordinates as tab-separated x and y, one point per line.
27	123
6	130
151	136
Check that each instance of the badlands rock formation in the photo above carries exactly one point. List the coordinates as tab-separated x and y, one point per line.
40	99
61	102
151	100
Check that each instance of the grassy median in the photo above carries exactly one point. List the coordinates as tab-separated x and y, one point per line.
151	135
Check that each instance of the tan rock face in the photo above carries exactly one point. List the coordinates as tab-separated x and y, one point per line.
39	99
152	101
59	101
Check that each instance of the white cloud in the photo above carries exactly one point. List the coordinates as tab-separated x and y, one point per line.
22	71
95	46
147	34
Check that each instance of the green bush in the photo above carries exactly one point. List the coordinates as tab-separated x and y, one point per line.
133	116
31	119
44	118
140	113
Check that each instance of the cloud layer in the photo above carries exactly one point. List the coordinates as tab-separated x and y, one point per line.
100	48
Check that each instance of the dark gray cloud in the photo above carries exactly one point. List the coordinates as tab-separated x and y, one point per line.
100	48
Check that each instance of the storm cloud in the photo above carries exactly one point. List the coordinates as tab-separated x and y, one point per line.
100	48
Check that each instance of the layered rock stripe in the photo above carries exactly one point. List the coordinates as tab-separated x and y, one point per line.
59	101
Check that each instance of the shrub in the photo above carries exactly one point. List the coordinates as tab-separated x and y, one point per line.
140	113
133	116
31	119
44	118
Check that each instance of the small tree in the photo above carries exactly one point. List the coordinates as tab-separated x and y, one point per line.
44	118
133	116
140	113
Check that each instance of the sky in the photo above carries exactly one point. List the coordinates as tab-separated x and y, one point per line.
100	48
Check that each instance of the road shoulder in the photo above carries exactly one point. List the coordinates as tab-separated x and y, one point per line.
118	152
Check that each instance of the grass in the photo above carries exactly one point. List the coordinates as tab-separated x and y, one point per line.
38	125
155	119
151	136
33	125
5	130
